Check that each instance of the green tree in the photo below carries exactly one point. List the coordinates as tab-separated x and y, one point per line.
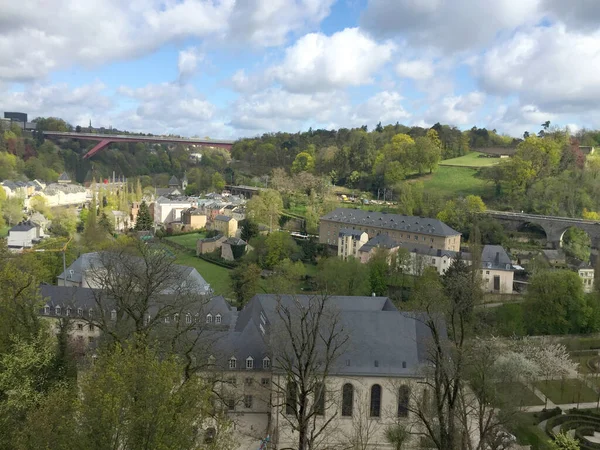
40	204
105	223
338	277
244	282
12	209
249	229
218	182
64	222
378	272
577	243
462	212
304	162
265	208
563	441
144	220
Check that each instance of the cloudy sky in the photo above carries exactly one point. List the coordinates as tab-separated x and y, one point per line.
230	68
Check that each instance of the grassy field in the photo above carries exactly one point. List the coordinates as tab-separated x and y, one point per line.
4	231
471	160
187	240
567	391
517	393
217	276
452	182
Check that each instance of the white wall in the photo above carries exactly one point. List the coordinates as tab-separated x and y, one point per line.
22	238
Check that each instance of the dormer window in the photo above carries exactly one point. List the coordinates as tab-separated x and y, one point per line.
218	318
266	362
79	312
68	312
211	360
46	310
209	318
167	319
113	315
188	318
57	311
249	362
176	317
232	362
90	313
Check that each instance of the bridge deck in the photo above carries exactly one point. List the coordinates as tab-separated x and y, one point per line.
539	216
135	137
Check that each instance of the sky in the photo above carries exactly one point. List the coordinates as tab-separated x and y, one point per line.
240	68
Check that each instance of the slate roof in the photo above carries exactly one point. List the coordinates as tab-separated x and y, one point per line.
222	218
350	232
173	181
64	177
413	224
23	226
422	249
495	257
381	241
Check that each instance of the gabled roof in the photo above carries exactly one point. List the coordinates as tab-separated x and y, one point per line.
350	232
23	226
381	241
495	257
222	218
64	177
173	181
413	224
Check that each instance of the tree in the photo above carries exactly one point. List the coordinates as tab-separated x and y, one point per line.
310	340
462	212
64	222
265	207
338	277
563	441
249	229
577	243
39	204
397	435
12	209
378	272
244	282
106	224
144	220
304	162
218	182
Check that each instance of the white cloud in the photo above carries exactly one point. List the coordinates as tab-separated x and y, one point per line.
187	63
317	62
415	69
456	109
545	66
577	14
515	119
385	107
451	25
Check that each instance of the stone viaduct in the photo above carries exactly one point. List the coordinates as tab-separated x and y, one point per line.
554	227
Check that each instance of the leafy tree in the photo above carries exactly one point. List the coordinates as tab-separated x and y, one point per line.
577	243
378	272
244	282
461	213
218	182
249	229
304	162
12	209
144	220
64	222
563	441
265	207
105	223
338	277
40	204
397	435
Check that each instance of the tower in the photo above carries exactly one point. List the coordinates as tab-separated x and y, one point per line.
184	181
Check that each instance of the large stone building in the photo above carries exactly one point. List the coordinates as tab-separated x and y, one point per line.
402	229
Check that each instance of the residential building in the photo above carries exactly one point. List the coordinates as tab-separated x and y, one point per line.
63	194
350	241
24	235
586	273
209	245
85	271
422	256
193	219
383	241
402	229
497	270
121	220
64	178
555	257
40	220
225	225
236	211
167	210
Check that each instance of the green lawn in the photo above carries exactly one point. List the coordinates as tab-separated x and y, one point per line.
4	231
526	430
517	394
471	160
452	182
567	391
187	240
217	276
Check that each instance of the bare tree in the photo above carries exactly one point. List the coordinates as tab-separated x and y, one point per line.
307	342
364	430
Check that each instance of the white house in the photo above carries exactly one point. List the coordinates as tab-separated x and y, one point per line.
586	273
168	210
350	242
23	235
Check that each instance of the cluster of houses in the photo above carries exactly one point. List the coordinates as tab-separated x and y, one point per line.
61	193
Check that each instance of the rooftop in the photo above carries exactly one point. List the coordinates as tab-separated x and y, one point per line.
414	224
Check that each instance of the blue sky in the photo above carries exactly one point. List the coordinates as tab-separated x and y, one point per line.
227	68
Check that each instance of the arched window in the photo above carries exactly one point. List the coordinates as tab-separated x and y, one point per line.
90	313
188	318
68	311
209	318
375	409
320	399
176	317
79	312
347	400
403	399
291	398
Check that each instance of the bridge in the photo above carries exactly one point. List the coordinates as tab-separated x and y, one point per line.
553	226
106	139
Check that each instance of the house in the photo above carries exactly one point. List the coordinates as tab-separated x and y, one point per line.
167	210
64	178
24	235
350	241
233	248
121	221
555	257
40	220
422	256
402	229
236	211
193	219
209	245
586	273
63	194
497	270
373	380
85	270
225	225
383	241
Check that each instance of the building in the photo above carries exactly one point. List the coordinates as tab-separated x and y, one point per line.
402	229
63	194
383	241
64	178
193	219
85	269
233	248
497	270
24	235
167	210
209	245
586	273
350	241
422	256
225	225
121	221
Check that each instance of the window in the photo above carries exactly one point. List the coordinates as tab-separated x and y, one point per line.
46	310
218	318
91	339
188	318
416	238
496	282
347	363
211	360
90	313
319	399
91	326
147	319
79	312
68	312
113	315
167	319
232	381
57	310
432	260
175	317
249	362
265	381
230	404
347	400
376	363
487	272
266	362
248	381
403	399
80	327
404	364
209	318
232	363
291	398
375	410
247	401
